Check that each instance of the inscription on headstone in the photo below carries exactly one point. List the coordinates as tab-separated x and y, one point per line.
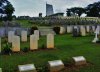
27	68
55	66
80	60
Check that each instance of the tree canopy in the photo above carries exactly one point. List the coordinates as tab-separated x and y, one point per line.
92	10
6	10
76	10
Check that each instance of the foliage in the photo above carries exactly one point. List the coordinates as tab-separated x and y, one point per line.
7	49
6	10
25	49
76	10
33	29
93	9
56	30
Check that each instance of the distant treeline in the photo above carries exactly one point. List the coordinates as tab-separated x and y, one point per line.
92	10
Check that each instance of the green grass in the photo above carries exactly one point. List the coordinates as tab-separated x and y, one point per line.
66	48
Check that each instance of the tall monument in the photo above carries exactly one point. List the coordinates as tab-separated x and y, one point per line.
49	9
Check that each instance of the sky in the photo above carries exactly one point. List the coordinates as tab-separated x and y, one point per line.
32	8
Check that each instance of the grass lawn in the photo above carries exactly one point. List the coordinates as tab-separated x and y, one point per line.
66	48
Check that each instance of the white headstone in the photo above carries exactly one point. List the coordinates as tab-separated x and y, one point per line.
10	36
83	31
33	42
88	28
56	65
50	41
24	36
16	44
36	32
27	68
80	60
62	30
93	28
69	29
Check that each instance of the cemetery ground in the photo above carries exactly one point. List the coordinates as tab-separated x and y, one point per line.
66	47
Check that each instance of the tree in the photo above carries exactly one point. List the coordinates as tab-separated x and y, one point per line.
68	12
93	10
76	10
6	9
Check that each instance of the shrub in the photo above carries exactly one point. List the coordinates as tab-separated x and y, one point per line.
56	30
6	49
32	29
25	49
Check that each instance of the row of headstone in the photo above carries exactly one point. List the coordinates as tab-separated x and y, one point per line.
87	28
83	31
53	66
33	42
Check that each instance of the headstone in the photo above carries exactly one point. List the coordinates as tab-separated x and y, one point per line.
83	31
76	31
62	30
36	32
55	66
97	32
10	36
16	44
0	69
80	60
0	45
33	42
50	41
88	28
24	36
93	28
69	29
27	68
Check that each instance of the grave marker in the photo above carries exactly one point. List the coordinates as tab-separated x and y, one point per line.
24	36
62	30
50	41
55	66
88	28
27	68
36	32
80	60
97	32
16	44
69	29
10	36
33	42
83	31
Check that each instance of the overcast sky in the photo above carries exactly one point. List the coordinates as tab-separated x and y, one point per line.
34	7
